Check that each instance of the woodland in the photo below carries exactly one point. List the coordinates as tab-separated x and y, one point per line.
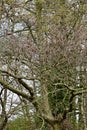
43	65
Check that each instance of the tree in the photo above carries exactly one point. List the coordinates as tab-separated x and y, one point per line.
8	107
42	47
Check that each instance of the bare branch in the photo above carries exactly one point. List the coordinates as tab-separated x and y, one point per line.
14	90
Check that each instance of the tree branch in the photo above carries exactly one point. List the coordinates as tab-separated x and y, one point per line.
15	76
25	85
80	91
65	85
14	90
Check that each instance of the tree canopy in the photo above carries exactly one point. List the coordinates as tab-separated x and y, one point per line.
43	56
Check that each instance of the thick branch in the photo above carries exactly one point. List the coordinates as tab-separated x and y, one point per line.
21	81
14	90
75	92
25	85
80	91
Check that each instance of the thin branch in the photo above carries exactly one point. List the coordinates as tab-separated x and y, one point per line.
15	76
65	85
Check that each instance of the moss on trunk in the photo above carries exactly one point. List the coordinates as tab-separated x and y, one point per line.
56	127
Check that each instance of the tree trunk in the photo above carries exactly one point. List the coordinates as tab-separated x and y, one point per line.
56	127
45	107
3	123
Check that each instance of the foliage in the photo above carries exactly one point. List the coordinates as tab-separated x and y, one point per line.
18	124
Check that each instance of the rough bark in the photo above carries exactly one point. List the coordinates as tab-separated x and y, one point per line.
3	123
56	127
